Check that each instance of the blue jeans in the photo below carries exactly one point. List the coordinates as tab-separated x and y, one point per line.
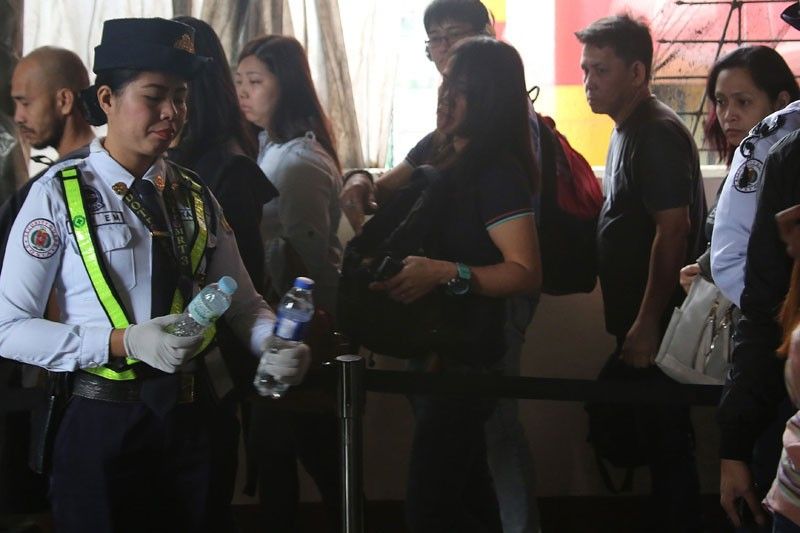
766	456
449	487
510	460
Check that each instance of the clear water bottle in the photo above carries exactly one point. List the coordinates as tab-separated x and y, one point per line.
205	308
294	314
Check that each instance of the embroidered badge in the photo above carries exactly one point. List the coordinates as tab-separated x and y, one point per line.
40	239
185	43
119	188
747	176
93	199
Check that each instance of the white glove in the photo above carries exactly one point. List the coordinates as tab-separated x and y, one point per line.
149	343
288	365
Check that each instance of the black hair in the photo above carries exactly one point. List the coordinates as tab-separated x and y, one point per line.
628	37
116	80
298	109
497	122
8	61
213	115
769	73
472	12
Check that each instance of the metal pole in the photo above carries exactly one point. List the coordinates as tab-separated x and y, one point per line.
350	409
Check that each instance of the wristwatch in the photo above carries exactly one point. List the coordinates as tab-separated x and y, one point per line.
460	284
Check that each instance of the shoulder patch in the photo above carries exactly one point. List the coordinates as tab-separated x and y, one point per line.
40	239
747	176
769	125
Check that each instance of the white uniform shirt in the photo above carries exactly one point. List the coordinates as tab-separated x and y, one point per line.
736	208
42	253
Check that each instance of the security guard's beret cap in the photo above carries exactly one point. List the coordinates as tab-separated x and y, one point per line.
148	44
791	15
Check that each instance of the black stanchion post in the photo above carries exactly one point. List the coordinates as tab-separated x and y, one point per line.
350	409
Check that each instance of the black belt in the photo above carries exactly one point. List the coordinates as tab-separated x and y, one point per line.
94	387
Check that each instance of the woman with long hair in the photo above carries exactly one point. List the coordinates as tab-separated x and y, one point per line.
219	145
297	153
299	231
487	251
742	88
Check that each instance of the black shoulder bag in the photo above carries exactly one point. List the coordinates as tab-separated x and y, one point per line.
466	327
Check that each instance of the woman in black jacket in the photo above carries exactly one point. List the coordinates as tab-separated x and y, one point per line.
218	144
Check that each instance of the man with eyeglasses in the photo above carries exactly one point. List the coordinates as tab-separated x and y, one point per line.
447	22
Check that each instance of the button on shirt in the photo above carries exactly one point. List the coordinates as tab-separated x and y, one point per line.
42	253
736	208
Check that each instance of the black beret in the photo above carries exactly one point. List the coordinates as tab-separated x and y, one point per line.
148	44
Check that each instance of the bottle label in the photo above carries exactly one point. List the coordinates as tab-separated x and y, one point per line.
290	330
201	312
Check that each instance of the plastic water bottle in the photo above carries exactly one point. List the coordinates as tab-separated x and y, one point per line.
294	314
205	308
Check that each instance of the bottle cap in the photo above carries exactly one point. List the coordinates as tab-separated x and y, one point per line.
304	283
227	285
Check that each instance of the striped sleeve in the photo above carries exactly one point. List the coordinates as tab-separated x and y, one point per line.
501	219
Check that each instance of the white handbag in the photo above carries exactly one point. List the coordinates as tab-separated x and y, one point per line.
697	346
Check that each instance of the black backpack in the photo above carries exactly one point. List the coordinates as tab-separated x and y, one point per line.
467	327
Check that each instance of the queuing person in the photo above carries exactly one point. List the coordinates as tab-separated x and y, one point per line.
488	251
219	145
650	224
109	234
510	461
754	407
750	267
743	87
299	232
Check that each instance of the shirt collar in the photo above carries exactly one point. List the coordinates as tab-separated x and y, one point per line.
112	172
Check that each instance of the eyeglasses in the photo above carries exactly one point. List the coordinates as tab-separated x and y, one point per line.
437	42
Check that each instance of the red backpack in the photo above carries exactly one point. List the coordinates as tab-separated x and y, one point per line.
571	199
578	191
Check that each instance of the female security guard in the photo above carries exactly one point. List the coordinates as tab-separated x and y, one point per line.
126	237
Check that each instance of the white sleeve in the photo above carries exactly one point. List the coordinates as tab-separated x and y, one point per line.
249	316
736	210
34	257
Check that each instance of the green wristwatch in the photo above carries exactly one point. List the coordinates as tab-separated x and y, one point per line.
460	284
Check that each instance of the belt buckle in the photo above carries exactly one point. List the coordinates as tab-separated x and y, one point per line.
187	391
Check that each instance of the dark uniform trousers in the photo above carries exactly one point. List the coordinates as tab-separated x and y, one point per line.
118	467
